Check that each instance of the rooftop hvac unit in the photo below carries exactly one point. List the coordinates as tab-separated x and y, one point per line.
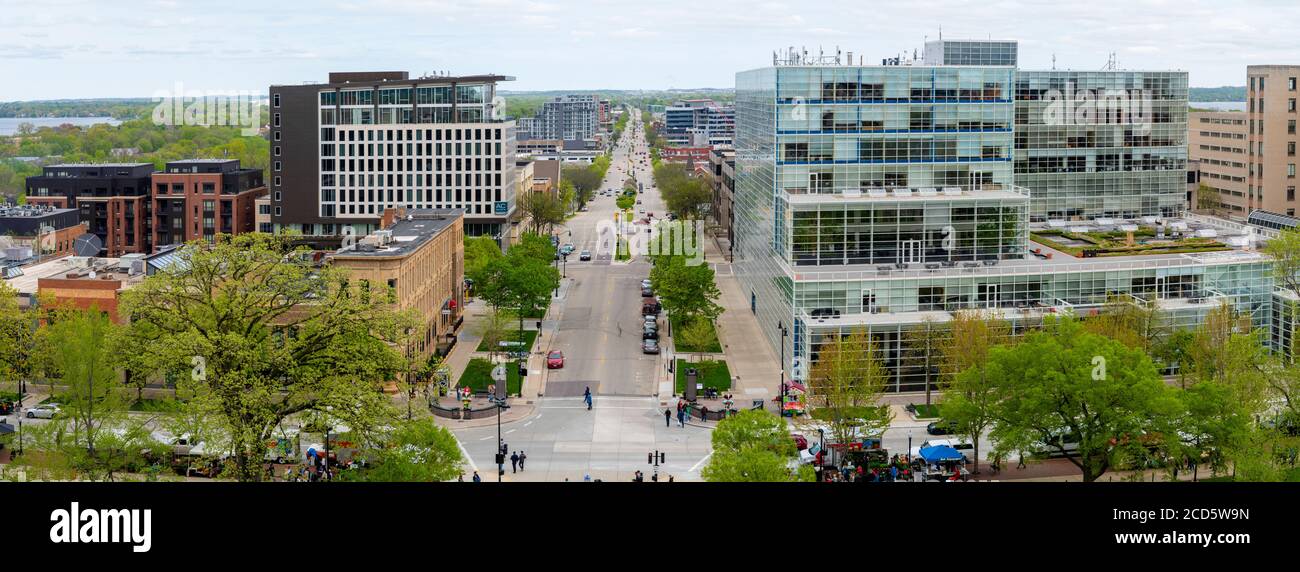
384	237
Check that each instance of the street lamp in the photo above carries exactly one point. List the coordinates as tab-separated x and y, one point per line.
498	398
784	333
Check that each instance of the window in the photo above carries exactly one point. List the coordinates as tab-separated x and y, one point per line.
1290	170
277	165
275	98
277	180
277	120
1290	193
1290	149
1290	105
277	150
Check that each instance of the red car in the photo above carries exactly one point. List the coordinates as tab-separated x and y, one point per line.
555	360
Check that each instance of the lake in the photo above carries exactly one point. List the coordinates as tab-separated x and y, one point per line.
1219	105
9	125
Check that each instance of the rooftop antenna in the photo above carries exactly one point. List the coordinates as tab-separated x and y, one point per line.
1053	61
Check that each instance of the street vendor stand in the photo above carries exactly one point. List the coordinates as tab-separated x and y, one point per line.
941	463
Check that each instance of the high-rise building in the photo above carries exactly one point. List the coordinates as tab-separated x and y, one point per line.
568	118
200	198
1102	143
344	151
884	199
1217	141
1271	96
699	122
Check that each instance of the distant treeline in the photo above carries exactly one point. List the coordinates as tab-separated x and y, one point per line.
1225	93
122	109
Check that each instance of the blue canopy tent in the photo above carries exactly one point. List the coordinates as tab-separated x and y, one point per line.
939	454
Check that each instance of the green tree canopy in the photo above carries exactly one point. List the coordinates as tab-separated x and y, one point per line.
1065	385
266	335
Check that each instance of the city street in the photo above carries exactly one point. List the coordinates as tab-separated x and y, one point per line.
599	332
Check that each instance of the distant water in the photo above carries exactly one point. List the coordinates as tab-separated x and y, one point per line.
1219	105
9	125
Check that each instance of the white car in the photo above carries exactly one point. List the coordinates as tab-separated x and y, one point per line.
44	411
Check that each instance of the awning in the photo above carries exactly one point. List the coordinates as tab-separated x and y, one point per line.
940	453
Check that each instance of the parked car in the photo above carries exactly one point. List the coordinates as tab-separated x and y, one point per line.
651	320
645	283
649	346
45	411
650	332
555	360
941	427
647	292
584	255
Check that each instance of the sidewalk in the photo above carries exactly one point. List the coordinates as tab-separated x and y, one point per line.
519	410
755	368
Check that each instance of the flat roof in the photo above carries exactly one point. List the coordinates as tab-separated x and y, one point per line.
28	283
409	234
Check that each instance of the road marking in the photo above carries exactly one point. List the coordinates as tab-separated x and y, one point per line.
465	453
486	438
510	431
701	462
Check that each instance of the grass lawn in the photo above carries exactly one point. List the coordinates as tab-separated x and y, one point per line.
924	411
712	374
512	335
156	405
622	253
711	346
1113	243
478	376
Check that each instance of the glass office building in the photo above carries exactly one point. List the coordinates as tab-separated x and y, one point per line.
1103	143
884	198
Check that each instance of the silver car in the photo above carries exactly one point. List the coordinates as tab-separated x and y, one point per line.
44	411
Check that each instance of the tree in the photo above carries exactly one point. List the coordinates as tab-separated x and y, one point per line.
268	335
1208	198
1225	350
492	329
1213	425
849	379
1066	385
543	210
417	451
1285	250
94	439
1134	322
971	400
754	446
585	179
17	335
479	252
695	334
417	364
923	345
687	291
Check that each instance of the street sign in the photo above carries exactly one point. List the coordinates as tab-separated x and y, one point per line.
502	207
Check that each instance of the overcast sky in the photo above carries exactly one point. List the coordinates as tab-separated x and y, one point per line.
51	49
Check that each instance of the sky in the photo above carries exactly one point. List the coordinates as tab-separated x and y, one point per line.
70	49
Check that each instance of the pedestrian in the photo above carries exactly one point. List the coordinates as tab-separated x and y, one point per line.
586	396
477	478
514	463
522	458
1021	459
681	417
504	448
460	478
668	417
586	478
893	473
670	478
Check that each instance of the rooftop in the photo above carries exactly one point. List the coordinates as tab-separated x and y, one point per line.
404	236
78	268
